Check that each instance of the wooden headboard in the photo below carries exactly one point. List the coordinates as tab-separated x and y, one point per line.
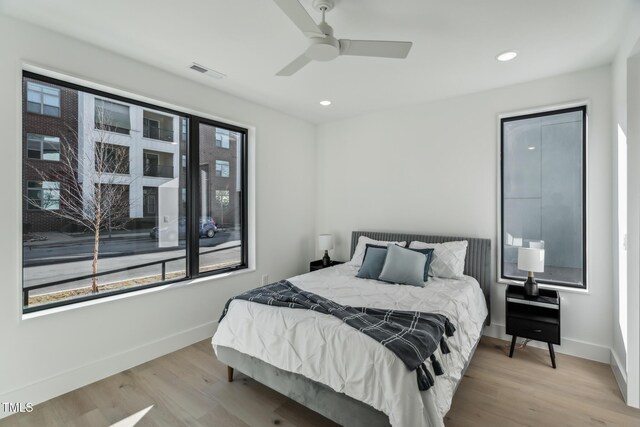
477	263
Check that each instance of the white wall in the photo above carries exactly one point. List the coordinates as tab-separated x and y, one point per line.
48	355
626	296
433	168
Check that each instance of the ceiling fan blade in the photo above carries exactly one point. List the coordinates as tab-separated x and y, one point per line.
298	14
294	66
382	49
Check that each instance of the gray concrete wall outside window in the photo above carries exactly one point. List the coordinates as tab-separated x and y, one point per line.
543	194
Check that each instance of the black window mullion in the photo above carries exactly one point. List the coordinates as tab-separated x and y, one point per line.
193	197
243	200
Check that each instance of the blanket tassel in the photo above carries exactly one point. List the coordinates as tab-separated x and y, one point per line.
444	348
449	329
437	368
425	380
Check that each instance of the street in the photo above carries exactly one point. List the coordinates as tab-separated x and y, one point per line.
52	262
45	253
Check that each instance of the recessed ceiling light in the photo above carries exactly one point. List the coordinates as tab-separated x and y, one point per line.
325	103
507	56
531	148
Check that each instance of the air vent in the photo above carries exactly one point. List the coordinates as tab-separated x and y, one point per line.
207	71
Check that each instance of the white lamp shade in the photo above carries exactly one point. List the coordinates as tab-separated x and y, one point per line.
325	242
531	259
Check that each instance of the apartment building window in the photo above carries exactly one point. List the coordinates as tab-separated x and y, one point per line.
160	197
112	116
42	147
111	158
43	99
222	138
222	168
43	195
543	188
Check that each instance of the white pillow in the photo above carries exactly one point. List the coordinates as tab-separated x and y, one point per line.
448	258
361	247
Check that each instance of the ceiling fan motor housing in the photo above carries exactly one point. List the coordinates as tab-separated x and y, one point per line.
323	48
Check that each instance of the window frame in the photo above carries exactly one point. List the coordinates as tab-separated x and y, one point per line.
192	216
555	110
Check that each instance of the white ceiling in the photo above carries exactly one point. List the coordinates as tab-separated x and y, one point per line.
454	45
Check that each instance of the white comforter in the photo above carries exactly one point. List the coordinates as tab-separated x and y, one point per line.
326	350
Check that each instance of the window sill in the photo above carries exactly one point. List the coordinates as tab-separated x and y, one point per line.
132	294
546	286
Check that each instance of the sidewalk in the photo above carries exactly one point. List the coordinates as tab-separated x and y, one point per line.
53	238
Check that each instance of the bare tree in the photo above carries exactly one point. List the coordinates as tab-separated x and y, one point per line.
87	187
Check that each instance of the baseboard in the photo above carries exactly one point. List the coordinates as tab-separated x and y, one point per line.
620	373
74	378
569	346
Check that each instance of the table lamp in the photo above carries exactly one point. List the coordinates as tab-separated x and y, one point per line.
531	260
325	243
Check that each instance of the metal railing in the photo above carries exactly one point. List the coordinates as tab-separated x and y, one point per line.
160	134
163	273
158	171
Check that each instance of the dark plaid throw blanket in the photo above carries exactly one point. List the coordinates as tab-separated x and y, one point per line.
412	335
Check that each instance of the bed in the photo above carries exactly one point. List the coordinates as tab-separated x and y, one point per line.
341	373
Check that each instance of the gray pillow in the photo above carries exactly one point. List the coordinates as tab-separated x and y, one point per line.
373	262
403	266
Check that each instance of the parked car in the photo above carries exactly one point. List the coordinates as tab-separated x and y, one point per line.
208	228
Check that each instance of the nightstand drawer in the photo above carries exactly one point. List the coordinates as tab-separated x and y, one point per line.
539	331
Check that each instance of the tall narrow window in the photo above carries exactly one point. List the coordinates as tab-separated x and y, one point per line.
543	194
221	194
116	181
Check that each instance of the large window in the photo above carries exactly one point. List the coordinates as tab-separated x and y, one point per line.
122	213
111	158
112	116
543	194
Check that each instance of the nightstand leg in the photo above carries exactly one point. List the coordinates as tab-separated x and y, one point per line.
553	355
513	344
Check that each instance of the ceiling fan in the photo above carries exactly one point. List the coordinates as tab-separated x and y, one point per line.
324	47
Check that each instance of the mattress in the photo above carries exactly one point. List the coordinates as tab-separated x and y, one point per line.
324	349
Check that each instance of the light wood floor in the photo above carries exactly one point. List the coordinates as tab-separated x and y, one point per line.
189	387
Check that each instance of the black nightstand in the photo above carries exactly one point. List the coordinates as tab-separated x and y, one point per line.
536	318
317	265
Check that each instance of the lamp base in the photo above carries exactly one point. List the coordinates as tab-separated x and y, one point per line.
326	261
531	287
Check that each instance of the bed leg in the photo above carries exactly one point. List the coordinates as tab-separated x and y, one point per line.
229	374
